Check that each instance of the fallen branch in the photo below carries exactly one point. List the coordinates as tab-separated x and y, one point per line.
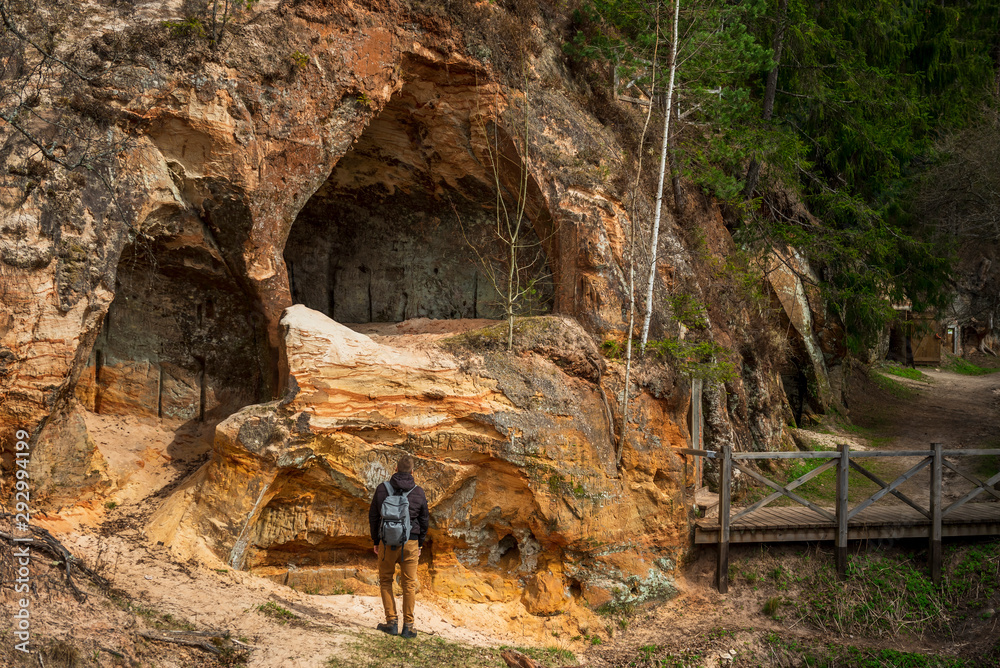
225	635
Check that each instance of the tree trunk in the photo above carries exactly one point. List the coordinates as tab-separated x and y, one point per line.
680	199
215	23
659	188
770	90
623	438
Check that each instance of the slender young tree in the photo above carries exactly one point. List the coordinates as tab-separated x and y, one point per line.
663	169
515	270
222	12
623	439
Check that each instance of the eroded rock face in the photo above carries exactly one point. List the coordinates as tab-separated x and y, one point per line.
514	452
162	297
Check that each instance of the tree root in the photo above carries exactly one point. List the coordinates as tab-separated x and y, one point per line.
44	541
215	642
515	659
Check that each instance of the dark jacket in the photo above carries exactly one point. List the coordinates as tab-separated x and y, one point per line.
420	519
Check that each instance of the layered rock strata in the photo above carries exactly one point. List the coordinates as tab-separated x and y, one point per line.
514	452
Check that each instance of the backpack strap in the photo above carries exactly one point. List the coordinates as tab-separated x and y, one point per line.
392	490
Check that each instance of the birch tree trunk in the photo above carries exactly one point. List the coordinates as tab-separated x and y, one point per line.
659	188
623	438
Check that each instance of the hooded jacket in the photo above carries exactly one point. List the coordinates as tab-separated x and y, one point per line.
420	518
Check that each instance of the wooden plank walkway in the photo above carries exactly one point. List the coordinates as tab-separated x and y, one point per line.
767	525
842	524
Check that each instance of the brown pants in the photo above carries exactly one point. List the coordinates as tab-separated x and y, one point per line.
407	559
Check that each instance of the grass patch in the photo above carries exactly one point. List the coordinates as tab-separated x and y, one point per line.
905	372
372	650
339	589
771	606
816	655
770	649
987	466
275	611
889	594
550	656
892	386
965	367
822	490
651	655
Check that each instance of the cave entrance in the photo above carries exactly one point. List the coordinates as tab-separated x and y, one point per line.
180	341
404	227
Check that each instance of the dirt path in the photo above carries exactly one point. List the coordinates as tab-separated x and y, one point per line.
959	411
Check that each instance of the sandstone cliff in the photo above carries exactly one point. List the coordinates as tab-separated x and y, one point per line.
347	157
515	452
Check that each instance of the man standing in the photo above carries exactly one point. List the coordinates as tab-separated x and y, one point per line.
404	491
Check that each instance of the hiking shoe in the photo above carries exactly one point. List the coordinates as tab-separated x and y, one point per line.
408	631
392	628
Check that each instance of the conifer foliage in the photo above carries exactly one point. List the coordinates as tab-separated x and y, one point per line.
840	102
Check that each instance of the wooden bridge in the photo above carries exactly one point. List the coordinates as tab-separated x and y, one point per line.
758	524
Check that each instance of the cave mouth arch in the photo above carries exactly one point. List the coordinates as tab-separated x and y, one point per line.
182	340
404	226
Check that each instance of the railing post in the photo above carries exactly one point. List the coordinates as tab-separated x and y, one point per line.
843	468
725	482
696	429
934	549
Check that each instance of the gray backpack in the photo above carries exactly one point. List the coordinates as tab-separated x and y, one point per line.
395	518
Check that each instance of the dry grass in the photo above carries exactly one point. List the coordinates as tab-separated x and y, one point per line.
887	591
371	651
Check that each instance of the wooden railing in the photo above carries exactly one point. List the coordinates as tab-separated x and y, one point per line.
844	460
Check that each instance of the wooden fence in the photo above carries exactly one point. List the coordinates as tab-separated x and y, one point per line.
840	518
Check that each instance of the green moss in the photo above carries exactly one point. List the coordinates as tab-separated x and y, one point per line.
555	483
